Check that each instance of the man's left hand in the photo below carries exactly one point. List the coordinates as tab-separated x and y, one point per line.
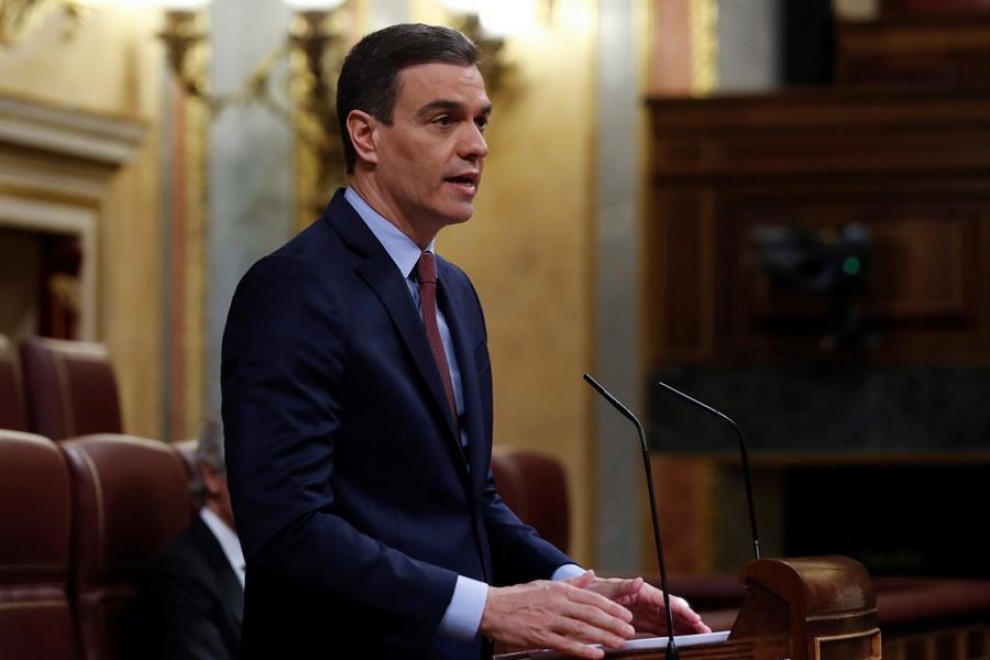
646	604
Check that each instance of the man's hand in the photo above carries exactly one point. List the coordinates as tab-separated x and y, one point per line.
646	604
565	616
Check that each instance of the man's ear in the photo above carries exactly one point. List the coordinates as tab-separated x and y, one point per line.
362	128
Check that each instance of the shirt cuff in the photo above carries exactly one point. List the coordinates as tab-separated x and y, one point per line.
463	616
567	571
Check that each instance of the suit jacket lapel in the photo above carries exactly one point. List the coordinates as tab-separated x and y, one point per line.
231	592
455	310
227	584
452	307
380	273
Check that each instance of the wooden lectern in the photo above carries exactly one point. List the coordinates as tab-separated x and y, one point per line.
812	608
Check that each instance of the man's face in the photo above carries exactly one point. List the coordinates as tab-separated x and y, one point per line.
217	493
429	161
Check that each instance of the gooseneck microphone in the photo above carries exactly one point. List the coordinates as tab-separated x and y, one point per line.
742	451
671	646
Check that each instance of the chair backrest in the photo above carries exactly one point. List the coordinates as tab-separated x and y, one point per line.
130	499
12	413
71	387
35	616
534	485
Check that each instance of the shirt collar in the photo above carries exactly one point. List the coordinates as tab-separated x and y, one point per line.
404	252
228	541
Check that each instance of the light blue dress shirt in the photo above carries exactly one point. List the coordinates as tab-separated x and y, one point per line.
463	615
227	538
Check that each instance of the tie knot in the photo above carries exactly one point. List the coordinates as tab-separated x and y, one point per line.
426	268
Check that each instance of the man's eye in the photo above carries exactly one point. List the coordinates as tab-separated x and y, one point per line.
482	124
445	120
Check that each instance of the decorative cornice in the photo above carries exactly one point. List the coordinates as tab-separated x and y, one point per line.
69	132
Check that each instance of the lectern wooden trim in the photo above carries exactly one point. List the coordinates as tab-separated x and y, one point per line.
811	608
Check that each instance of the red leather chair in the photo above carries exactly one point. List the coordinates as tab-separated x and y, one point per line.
35	616
130	498
534	485
12	414
71	388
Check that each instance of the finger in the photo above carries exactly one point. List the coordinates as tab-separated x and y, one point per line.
644	595
581	581
691	623
601	604
594	632
684	615
592	597
626	600
590	623
621	588
589	633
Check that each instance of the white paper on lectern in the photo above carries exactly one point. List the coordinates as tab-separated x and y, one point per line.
647	643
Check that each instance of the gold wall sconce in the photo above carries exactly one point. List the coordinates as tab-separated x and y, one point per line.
487	23
314	50
18	17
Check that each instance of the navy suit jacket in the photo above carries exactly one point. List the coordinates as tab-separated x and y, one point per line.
189	603
356	506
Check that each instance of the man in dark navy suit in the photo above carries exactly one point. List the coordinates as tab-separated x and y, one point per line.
357	399
191	597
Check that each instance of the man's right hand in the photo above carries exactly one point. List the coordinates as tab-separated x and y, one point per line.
561	615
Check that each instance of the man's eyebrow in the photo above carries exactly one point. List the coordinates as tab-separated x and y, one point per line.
449	106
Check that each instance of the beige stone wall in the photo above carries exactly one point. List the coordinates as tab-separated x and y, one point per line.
111	64
528	248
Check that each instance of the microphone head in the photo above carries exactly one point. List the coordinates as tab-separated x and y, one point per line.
743	454
615	402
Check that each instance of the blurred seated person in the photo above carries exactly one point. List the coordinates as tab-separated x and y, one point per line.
190	599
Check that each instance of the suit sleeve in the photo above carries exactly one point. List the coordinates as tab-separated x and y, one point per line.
519	553
284	355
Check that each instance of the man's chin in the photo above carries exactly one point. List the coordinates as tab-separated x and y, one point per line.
459	215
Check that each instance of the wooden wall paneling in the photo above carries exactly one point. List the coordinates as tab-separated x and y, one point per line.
913	167
686	490
679	272
927	277
949	48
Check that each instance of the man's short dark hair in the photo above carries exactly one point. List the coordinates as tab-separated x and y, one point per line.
369	78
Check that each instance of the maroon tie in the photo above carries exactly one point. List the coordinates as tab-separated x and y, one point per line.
426	273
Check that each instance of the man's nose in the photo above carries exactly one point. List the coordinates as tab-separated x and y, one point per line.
474	145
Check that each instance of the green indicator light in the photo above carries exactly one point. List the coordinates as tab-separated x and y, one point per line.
851	266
